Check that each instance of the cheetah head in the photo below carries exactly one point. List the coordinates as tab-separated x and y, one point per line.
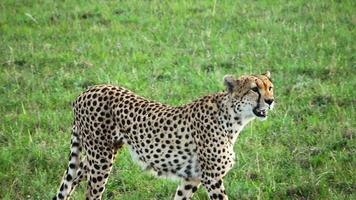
251	96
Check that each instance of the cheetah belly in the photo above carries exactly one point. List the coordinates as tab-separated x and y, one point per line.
173	168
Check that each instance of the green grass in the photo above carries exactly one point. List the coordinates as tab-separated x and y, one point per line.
174	52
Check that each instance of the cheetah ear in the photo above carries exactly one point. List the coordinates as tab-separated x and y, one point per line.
268	74
230	83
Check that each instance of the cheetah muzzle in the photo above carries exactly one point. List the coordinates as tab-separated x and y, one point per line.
193	142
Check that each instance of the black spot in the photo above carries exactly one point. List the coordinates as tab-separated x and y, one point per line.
72	165
73	154
215	196
96	166
188	187
69	177
94	180
218	184
75	144
104	167
180	193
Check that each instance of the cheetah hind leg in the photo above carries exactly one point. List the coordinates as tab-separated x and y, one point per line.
186	190
73	165
99	170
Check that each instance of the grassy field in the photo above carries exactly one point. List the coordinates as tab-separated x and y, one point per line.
175	52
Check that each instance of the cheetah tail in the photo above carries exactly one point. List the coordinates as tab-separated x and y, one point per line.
73	165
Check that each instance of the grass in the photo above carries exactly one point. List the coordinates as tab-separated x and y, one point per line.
174	52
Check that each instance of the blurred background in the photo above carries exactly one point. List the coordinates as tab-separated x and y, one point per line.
175	52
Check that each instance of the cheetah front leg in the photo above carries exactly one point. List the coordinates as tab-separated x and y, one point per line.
215	188
186	190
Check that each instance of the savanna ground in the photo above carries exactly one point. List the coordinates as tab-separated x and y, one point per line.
175	52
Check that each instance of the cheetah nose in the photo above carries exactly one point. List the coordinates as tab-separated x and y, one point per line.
269	101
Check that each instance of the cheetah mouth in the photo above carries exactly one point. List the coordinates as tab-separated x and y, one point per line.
260	112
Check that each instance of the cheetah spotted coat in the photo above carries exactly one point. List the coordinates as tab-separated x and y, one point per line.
193	142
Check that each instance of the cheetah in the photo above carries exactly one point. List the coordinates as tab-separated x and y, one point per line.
193	142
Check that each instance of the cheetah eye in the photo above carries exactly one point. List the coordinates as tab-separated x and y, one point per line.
255	89
270	88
